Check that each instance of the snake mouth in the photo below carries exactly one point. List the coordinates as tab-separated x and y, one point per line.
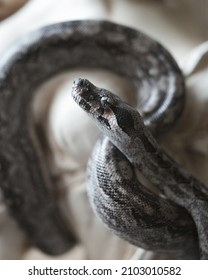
81	101
79	92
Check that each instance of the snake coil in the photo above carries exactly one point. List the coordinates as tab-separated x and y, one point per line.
28	191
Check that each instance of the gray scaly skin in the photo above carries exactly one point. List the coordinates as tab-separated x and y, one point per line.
121	201
24	182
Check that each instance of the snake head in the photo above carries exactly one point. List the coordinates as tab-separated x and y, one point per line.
110	113
97	102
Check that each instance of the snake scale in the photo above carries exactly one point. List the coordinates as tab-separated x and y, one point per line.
174	221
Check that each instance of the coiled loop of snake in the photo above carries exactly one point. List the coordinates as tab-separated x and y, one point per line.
55	48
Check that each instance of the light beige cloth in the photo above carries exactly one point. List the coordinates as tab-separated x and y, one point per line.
8	7
71	135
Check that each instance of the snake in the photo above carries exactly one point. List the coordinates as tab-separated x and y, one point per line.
173	221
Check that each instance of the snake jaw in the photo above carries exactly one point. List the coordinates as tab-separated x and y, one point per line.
83	95
79	90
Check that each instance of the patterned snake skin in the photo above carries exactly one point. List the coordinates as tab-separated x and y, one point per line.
133	212
121	201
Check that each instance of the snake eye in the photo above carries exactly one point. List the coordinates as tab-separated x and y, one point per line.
106	100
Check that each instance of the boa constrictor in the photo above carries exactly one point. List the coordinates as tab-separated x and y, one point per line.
134	213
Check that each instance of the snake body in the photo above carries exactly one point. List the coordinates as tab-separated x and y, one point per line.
27	189
121	200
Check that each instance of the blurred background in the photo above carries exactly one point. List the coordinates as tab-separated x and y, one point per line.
181	26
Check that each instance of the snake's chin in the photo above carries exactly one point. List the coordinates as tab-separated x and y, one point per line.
81	101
